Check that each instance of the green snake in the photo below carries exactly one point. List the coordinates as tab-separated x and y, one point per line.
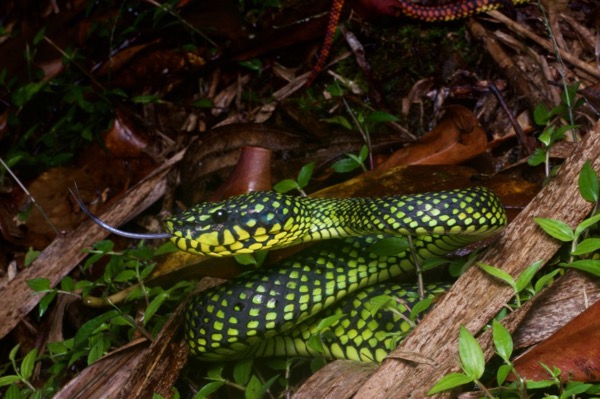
272	311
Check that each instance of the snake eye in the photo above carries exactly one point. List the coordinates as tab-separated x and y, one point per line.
219	216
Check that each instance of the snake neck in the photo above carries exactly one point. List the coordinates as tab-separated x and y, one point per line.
474	212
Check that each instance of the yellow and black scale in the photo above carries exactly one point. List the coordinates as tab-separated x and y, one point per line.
274	311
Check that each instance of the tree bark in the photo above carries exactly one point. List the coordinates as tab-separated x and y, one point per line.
477	297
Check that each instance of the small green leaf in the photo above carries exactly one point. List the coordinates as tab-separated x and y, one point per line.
203	103
39	36
285	185
420	307
254	64
9	379
545	279
261	392
364	153
124	276
587	246
154	305
500	274
12	355
587	265
67	284
208	389
588	183
587	223
345	165
40	284
28	363
245	259
502	373
30	256
242	371
381	116
339	120
538	157
389	246
329	321
471	355
527	275
305	174
502	340
541	115
556	228
450	381
574	388
315	343
45	302
146	99
253	388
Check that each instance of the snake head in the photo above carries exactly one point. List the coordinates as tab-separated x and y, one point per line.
243	224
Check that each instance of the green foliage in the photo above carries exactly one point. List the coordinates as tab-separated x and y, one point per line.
352	162
553	130
300	183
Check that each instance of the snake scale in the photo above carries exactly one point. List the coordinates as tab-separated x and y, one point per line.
272	311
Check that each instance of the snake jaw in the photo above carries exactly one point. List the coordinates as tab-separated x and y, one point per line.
240	225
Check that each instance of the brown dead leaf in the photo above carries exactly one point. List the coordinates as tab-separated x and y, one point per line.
574	349
456	138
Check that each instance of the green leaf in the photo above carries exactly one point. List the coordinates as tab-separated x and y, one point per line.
67	284
389	246
538	157
502	340
285	185
471	355
587	223
315	343
381	116
12	355
574	388
99	347
154	305
329	321
586	246
146	99
30	256
45	302
556	228
587	265
253	388
588	183
40	284
39	36
502	373
498	273
254	64
450	381
364	153
261	393
28	363
545	279
9	379
208	389
541	115
339	120
345	165
203	103
242	371
305	174
245	259
420	307
125	276
527	275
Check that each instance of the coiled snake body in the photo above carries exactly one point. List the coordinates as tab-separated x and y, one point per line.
272	311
